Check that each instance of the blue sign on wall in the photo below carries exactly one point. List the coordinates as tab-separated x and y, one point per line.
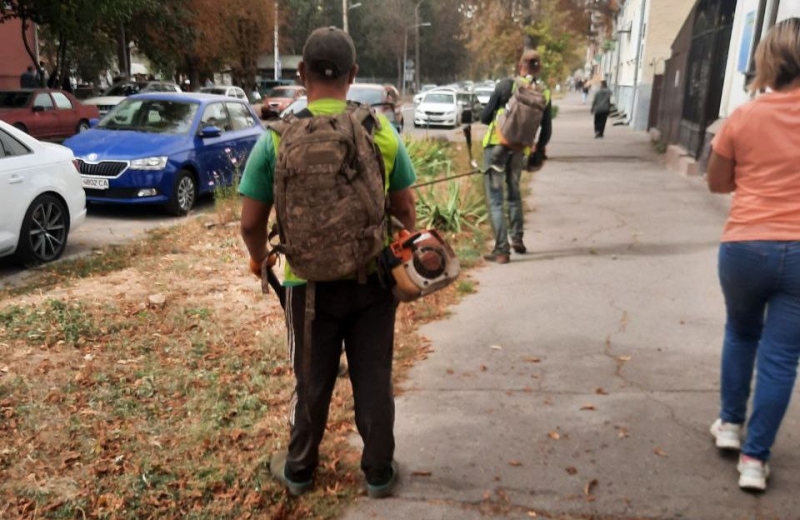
747	41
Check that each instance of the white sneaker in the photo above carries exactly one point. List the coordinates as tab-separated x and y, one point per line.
728	435
753	474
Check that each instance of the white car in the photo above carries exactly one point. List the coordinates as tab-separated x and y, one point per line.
41	197
484	93
438	107
114	96
234	92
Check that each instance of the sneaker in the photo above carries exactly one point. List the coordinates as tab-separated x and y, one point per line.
519	247
277	467
384	490
500	258
753	473
728	435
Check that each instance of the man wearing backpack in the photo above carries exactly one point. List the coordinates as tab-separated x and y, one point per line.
330	173
504	163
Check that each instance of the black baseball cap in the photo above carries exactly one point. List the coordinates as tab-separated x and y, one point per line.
329	51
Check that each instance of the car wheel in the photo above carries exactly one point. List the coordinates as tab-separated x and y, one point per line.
43	236
184	194
21	127
82	126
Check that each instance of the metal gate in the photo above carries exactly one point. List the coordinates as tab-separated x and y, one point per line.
705	69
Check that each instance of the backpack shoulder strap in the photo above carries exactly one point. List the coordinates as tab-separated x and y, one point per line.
365	116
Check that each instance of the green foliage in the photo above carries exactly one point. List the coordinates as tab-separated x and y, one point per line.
554	111
49	323
430	157
450	210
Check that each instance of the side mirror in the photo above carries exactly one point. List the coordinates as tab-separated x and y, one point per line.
38	108
93	122
209	132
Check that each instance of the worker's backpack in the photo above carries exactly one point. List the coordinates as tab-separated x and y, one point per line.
330	193
518	124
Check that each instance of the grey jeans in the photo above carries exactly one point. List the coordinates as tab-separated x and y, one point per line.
496	183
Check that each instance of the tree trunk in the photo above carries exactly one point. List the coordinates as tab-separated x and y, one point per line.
28	49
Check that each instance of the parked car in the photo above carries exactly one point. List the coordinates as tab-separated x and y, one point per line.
41	201
114	95
438	107
384	98
45	113
470	106
234	92
484	93
279	98
166	149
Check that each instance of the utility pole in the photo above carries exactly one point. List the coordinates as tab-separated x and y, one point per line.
277	63
416	46
345	25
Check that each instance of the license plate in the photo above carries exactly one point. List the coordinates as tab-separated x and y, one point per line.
94	183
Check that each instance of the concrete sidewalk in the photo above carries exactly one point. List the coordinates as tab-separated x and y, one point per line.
580	380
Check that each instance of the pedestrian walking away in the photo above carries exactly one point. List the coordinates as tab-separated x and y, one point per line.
331	172
504	165
759	258
601	107
585	92
28	78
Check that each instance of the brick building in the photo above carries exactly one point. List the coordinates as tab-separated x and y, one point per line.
15	58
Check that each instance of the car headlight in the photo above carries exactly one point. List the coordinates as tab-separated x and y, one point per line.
149	163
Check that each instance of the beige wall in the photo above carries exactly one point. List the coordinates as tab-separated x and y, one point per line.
665	19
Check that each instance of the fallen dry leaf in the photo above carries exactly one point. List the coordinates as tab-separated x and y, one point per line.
514	463
532	514
421	474
660	452
554	435
572	470
496	347
601	391
624	358
589	487
589	407
483	368
532	359
622	432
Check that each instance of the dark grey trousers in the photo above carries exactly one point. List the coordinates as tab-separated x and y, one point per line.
362	316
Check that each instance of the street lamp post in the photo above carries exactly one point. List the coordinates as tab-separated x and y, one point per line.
416	46
345	9
405	53
277	60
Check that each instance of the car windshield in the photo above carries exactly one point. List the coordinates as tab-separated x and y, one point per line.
151	115
14	99
214	90
296	106
439	97
125	89
371	96
282	92
484	91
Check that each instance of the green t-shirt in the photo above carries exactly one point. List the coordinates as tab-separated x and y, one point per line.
259	172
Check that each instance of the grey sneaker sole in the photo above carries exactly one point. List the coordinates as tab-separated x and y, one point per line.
277	467
386	489
725	443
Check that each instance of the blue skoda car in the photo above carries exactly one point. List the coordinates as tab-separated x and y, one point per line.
165	148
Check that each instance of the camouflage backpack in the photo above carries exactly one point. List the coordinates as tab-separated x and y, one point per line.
518	125
330	193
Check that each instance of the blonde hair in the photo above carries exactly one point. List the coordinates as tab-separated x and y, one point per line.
778	57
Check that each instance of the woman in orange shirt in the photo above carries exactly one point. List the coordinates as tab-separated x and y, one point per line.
756	155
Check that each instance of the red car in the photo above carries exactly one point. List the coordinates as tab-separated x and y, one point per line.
45	113
279	98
